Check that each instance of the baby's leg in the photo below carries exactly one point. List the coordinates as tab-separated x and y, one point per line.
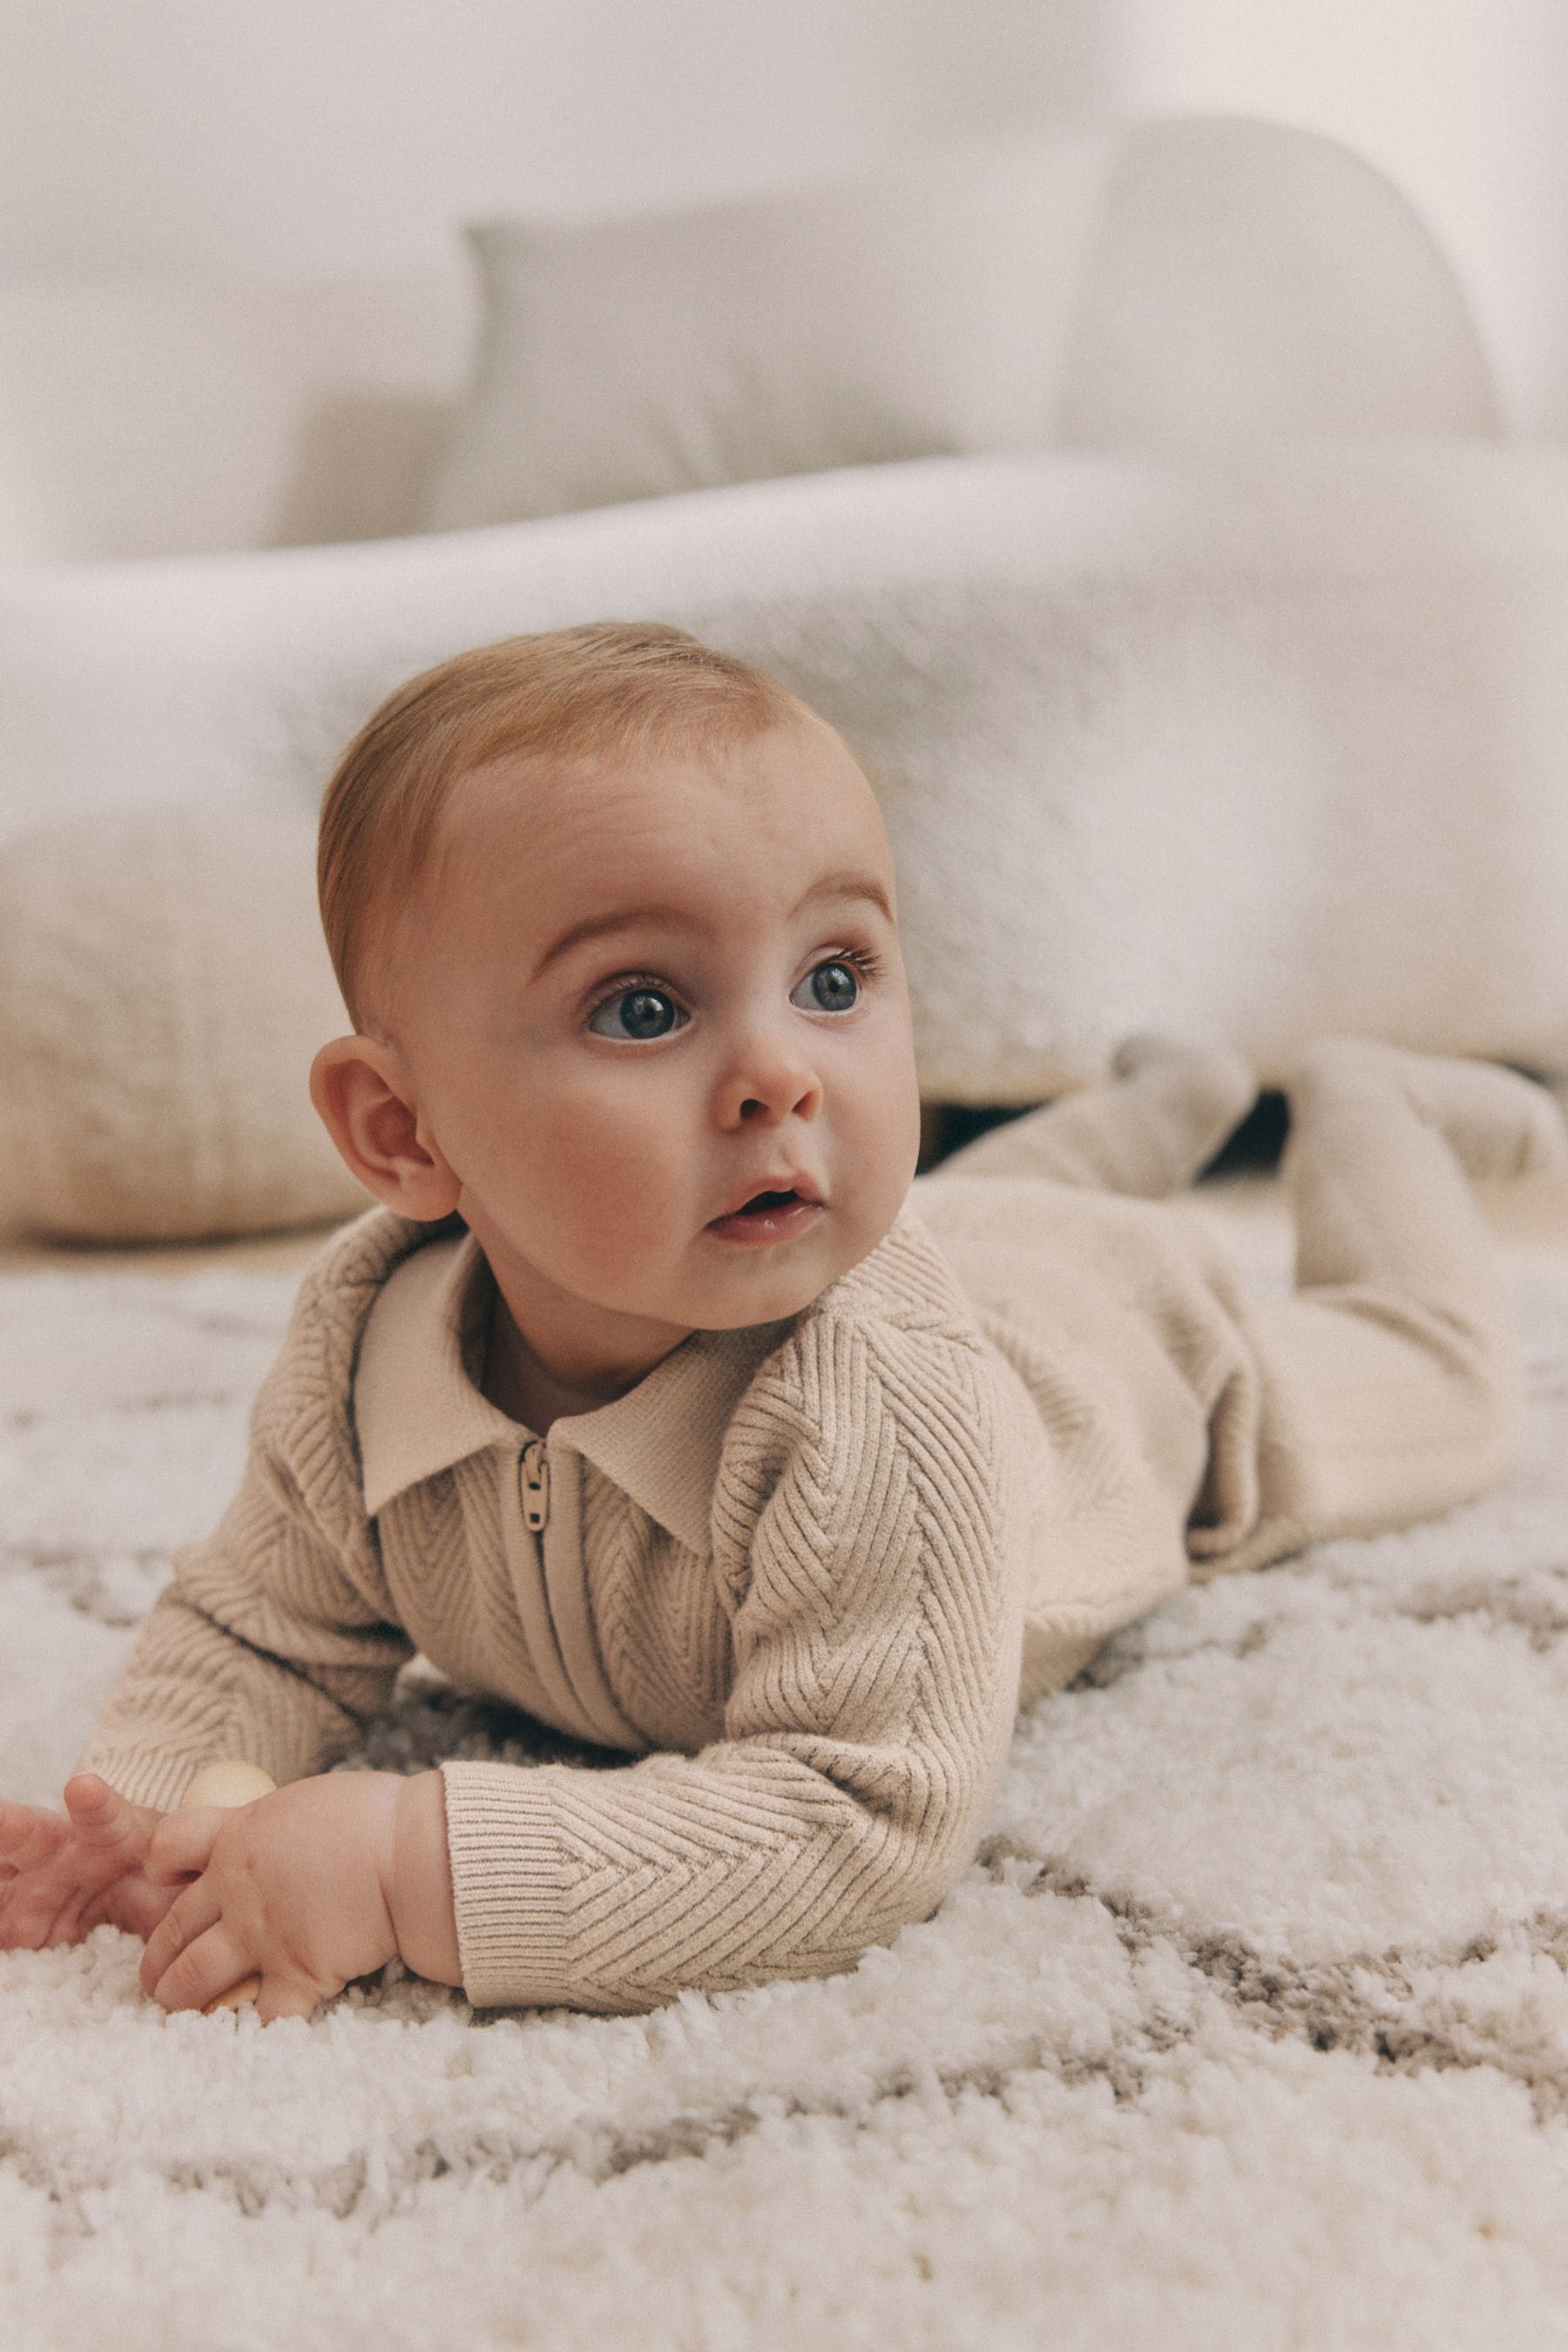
1147	1131
1391	1374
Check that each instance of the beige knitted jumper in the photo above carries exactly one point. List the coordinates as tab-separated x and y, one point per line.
798	1563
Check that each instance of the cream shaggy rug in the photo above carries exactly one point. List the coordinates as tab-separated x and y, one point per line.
1249	2029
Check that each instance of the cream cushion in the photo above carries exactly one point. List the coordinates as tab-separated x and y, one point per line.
906	314
164	986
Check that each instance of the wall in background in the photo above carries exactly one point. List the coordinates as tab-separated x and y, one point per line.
197	137
274	135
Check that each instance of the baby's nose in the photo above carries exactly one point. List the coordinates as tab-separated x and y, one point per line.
771	1079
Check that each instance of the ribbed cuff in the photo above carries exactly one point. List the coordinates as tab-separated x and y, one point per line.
508	1887
144	1779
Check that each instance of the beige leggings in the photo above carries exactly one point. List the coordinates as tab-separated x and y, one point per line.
1390	1379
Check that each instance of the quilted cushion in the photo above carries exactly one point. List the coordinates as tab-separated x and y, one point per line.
164	986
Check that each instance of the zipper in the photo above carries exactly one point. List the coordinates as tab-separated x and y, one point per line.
535	1468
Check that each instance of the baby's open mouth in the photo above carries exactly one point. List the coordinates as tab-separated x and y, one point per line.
769	1216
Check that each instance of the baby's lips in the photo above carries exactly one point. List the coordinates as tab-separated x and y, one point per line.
804	1187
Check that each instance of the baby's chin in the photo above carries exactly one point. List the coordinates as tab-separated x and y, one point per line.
765	1284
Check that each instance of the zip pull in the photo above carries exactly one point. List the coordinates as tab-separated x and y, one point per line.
535	1467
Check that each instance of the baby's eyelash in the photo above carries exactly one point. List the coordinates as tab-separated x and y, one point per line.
624	986
864	961
863	958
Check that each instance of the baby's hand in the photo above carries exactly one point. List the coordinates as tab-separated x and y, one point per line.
292	1889
62	1875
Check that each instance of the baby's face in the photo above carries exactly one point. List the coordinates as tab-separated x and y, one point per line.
737	1020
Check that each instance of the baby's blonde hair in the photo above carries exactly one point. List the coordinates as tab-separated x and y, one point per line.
633	687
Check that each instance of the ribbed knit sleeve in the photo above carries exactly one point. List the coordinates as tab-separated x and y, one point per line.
869	1542
273	1639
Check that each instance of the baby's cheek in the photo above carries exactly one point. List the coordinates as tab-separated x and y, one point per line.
612	1174
886	1114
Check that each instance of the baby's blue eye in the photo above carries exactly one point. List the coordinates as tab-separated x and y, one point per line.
648	1013
836	986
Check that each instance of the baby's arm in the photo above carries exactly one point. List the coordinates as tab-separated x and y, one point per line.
197	1687
274	1640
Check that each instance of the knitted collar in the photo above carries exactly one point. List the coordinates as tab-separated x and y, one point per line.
419	1407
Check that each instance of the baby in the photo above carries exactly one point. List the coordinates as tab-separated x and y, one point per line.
659	1400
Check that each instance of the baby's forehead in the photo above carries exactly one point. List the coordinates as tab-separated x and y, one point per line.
569	823
524	880
566	831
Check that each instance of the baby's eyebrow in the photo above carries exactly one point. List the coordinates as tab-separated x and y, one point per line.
597	927
864	886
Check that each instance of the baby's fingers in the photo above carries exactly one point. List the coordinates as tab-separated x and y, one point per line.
199	1971
31	1905
29	1834
60	1875
102	1817
289	1997
182	1843
32	1884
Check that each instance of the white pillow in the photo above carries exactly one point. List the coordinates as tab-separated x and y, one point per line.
164	986
920	312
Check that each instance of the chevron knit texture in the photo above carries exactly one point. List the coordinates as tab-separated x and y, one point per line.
831	1694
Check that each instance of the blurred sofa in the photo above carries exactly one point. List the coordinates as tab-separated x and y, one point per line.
1137	499
1172	283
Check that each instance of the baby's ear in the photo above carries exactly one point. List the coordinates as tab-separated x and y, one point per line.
365	1100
